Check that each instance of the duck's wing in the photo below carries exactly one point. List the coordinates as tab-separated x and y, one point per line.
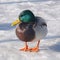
41	22
41	28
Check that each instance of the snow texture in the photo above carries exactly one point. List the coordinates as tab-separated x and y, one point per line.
10	44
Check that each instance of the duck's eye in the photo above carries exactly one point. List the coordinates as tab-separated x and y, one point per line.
21	15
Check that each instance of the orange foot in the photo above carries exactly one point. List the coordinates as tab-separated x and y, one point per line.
35	49
25	49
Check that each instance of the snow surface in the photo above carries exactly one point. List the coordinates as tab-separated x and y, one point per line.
10	44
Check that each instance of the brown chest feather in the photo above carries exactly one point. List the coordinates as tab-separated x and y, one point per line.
25	34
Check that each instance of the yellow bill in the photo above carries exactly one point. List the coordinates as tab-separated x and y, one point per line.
16	22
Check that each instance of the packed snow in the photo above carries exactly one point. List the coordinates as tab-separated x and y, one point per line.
10	44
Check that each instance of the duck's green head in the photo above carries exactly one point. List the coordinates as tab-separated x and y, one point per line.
25	16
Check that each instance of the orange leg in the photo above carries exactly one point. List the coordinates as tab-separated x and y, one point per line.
25	48
35	49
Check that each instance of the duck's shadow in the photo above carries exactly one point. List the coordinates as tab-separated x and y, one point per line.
55	47
6	26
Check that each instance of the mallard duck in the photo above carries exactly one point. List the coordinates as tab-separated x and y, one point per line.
30	28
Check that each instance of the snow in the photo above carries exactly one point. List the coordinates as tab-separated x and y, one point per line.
10	44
